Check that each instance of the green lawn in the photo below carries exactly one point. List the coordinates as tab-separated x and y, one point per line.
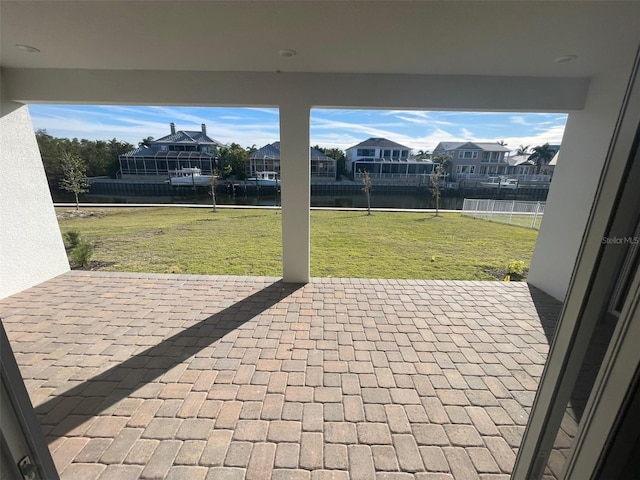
343	244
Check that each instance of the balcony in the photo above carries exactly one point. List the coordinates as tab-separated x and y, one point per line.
203	377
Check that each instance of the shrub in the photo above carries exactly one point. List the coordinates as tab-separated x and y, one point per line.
82	253
516	269
71	238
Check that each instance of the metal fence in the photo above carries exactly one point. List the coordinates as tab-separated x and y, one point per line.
524	214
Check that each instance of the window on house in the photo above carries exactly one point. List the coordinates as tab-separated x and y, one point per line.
395	154
387	154
468	154
465	169
405	154
366	152
495	155
483	170
486	156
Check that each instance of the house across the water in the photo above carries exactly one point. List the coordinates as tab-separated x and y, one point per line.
180	149
267	159
385	159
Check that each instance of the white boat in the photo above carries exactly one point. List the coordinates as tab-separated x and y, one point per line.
264	179
189	176
501	182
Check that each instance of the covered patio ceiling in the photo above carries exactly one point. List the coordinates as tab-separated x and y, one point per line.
394	37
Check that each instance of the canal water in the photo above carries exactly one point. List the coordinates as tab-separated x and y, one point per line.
404	201
336	195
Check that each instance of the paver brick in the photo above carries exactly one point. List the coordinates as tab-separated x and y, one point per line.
228	415
287	455
482	460
434	459
408	454
141	451
187	473
162	428
87	471
93	450
121	445
384	457
121	472
190	452
360	463
225	473
284	431
335	457
161	460
311	451
340	432
374	433
312	417
460	464
502	453
67	451
261	461
238	454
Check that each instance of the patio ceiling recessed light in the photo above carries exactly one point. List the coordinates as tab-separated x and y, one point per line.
287	52
27	48
565	58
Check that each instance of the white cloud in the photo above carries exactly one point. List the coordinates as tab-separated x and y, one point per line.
329	128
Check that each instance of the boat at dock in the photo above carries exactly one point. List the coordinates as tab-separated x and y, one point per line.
188	177
264	179
501	183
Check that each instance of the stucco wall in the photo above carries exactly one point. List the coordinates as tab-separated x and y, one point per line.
587	137
31	247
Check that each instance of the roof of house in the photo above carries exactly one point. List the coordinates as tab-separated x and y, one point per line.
188	137
168	154
485	146
520	160
272	151
379	142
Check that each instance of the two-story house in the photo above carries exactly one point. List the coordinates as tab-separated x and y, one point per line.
383	158
474	159
267	159
181	148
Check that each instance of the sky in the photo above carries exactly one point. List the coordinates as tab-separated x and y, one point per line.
331	128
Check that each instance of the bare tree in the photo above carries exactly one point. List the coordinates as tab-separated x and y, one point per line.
367	187
439	172
74	176
212	190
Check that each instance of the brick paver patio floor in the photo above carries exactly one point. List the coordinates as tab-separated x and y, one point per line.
202	377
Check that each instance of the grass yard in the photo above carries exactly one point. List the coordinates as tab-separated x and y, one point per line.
343	244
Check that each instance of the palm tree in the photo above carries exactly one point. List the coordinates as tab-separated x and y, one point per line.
541	155
522	150
146	142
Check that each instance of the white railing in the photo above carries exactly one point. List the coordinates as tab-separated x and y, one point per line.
400	178
524	214
519	177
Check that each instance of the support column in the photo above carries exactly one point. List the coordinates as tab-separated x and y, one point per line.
296	191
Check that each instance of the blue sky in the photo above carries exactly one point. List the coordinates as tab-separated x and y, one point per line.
419	130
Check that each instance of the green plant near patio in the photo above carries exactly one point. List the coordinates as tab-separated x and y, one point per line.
516	269
343	244
82	253
71	238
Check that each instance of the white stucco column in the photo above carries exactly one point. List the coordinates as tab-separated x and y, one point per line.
31	248
296	191
586	140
